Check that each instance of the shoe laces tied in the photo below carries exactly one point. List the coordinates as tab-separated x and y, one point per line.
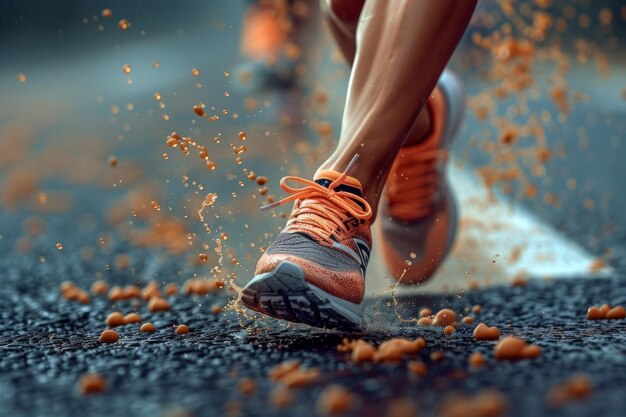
327	208
412	195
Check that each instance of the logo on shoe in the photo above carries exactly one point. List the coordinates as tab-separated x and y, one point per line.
361	255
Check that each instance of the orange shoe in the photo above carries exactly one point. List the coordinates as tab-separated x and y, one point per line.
418	215
314	272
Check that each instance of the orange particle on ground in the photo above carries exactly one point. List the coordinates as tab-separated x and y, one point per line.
476	359
109	336
151	290
444	317
299	378
99	287
484	332
334	400
604	309
576	388
393	350
261	180
132	318
91	384
425	321
281	397
115	319
468	320
594	313
363	352
127	69
216	309
418	368
171	289
512	347
279	371
247	386
112	161
203	257
477	309
107	13
195	72
616	313
448	330
147	328
243	135
182	329
425	312
437	356
158	304
123	24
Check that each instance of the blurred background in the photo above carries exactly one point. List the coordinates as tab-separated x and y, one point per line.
91	90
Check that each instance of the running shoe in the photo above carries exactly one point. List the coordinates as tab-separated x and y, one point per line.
418	215
314	273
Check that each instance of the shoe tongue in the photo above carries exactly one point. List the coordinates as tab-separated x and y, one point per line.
349	184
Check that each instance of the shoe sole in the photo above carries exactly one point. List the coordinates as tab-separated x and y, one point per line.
284	294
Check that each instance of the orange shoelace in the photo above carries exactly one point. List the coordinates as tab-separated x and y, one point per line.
411	194
325	209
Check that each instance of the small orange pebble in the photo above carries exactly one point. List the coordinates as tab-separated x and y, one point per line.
363	352
278	372
520	280
616	313
116	294
158	304
334	400
131	291
299	378
198	110
132	318
182	329
512	347
107	13
203	257
594	313
171	289
123	24
115	319
468	320
484	332
99	287
476	359
604	309
243	135
444	317
531	351
195	72
425	312
59	246
261	180
252	176
477	309
151	290
393	350
576	387
281	397
448	330
109	336
91	384
424	321
112	161
127	69
247	386
487	403
437	356
216	309
418	368
147	328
